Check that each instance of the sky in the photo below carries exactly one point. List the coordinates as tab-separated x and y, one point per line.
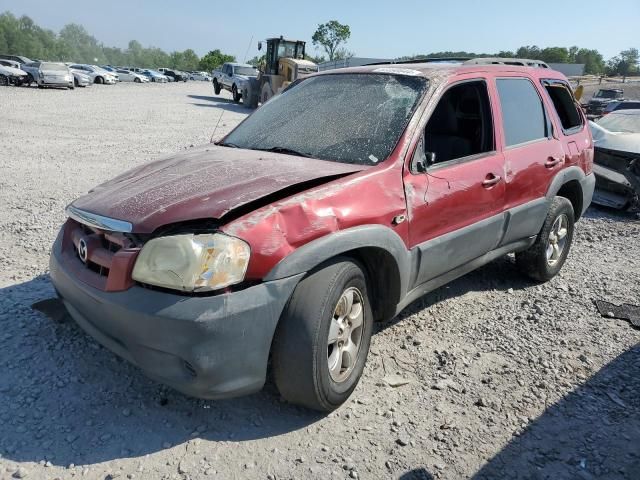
379	29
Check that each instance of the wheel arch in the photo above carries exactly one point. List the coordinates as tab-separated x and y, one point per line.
379	249
568	183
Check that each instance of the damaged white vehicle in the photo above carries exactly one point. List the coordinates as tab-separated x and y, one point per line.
10	74
616	139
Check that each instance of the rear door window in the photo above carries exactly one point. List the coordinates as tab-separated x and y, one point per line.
523	115
564	104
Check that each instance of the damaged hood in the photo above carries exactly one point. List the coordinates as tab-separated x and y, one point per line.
203	182
619	141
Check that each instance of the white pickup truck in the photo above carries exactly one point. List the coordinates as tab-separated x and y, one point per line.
231	76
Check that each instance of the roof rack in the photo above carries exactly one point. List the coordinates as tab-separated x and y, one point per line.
523	62
424	60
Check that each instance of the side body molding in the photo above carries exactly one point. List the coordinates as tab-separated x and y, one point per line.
312	254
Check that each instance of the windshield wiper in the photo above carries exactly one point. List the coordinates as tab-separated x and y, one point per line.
228	144
286	150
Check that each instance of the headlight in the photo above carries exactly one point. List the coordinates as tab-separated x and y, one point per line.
192	263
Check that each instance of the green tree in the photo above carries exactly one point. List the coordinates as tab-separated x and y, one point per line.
214	59
330	36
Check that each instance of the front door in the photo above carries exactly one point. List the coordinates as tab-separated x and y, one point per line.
456	206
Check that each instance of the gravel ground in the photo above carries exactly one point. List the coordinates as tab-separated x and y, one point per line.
489	377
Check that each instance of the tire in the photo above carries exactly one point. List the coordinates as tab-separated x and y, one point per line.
544	259
302	351
29	80
249	97
75	82
137	80
236	95
266	93
99	80
216	87
4	81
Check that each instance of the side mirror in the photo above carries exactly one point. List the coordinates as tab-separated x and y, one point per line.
421	158
259	45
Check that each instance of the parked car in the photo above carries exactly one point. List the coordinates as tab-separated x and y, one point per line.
600	100
97	74
621	105
16	58
202	76
80	78
616	138
334	205
48	74
154	76
176	75
11	73
129	76
231	76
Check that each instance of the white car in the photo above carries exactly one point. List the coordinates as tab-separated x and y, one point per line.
11	74
80	78
129	76
97	74
49	74
203	76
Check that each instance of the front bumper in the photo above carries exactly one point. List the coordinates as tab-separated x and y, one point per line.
208	347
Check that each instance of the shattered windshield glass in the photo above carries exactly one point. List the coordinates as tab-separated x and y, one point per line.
348	118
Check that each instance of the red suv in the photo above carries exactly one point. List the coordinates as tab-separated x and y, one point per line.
334	205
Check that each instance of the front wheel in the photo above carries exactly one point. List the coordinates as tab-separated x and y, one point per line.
4	81
99	80
544	259
137	80
235	94
216	87
323	337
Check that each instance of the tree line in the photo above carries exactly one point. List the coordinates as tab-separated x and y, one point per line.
626	63
21	36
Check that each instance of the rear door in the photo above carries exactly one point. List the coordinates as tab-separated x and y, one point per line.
456	206
533	154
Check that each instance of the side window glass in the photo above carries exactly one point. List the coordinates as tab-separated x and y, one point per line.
564	104
523	115
461	124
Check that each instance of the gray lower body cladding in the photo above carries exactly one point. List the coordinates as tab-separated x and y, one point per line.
207	347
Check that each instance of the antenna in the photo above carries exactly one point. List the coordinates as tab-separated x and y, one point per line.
244	60
216	129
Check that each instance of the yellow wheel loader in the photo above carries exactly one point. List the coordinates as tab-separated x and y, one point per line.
284	63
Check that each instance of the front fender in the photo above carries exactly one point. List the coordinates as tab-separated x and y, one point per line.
314	253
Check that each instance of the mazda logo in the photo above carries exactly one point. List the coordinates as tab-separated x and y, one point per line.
82	250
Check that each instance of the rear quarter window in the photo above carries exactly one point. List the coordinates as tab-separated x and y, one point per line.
523	116
564	105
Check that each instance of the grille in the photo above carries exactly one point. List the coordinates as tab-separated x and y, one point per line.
108	255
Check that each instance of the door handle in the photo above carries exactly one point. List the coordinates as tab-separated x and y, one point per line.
552	162
491	180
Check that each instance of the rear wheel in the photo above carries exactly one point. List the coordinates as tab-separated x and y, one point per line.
235	94
544	259
75	82
4	81
216	87
323	337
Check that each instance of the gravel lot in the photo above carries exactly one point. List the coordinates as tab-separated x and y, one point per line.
489	377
